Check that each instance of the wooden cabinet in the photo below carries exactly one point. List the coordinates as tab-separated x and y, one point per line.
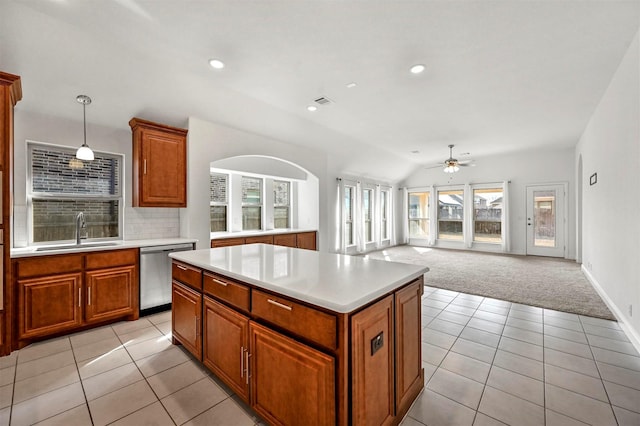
186	307
408	328
10	95
303	240
62	293
226	345
373	365
306	240
49	305
291	383
159	165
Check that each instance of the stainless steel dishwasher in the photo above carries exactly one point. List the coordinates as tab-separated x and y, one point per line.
155	276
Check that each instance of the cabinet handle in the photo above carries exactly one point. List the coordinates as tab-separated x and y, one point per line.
241	361
280	305
80	297
145	166
183	268
217	281
246	361
89	296
196	324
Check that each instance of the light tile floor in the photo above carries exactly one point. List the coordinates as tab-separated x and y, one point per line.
487	362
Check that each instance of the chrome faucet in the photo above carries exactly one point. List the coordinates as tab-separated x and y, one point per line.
81	224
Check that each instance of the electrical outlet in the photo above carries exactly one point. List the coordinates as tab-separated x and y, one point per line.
377	343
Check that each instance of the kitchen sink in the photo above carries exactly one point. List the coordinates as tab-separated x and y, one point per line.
77	246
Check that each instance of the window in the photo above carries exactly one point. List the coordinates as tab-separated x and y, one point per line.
281	197
349	197
450	214
219	188
367	209
61	186
384	214
251	203
419	215
487	215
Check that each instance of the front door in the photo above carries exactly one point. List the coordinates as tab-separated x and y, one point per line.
546	220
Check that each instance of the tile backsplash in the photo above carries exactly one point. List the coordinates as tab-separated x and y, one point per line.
139	224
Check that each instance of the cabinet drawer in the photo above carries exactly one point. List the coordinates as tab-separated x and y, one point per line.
288	240
225	242
226	290
48	265
299	319
187	274
263	239
112	258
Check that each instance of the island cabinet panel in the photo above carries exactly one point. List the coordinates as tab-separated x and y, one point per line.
49	305
291	383
186	307
226	345
159	165
187	274
409	371
372	358
296	318
111	293
287	240
227	290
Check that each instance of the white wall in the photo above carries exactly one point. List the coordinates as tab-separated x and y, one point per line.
138	222
522	169
610	147
209	142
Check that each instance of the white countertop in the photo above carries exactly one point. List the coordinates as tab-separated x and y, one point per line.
254	233
103	245
333	281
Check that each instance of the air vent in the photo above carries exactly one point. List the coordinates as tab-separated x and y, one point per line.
323	101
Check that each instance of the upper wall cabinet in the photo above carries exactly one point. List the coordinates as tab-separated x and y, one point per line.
159	165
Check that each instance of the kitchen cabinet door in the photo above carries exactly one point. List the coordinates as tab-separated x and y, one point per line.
111	293
48	305
225	347
306	240
159	165
186	308
373	397
409	371
287	240
291	383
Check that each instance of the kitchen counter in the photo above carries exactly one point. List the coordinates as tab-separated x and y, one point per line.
96	246
336	282
255	233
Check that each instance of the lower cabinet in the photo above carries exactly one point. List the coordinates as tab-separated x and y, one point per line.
49	305
61	293
226	345
291	383
186	307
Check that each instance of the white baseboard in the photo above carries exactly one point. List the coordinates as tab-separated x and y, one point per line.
632	334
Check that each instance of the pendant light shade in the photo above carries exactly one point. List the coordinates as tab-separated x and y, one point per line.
84	152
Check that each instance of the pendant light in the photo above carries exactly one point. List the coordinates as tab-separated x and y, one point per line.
84	152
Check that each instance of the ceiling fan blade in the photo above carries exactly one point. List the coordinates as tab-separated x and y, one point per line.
436	166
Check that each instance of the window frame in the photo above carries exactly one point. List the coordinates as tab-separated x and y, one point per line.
371	220
35	195
385	215
349	189
427	218
288	205
244	204
496	187
220	203
440	190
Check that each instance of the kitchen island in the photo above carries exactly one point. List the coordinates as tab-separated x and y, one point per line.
304	337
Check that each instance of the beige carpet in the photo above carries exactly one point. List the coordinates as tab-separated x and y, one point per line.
539	281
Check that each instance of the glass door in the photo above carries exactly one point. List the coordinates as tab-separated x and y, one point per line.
546	220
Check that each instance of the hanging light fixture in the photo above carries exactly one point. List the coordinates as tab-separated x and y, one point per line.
84	152
451	164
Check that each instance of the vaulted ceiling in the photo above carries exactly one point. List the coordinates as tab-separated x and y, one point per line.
501	76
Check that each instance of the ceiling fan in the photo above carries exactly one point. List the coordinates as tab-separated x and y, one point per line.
452	165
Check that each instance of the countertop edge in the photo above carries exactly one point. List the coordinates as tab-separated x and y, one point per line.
21	252
240	234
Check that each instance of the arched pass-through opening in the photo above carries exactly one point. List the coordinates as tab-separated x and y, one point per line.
304	196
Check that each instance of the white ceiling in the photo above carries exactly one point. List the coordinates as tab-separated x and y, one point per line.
501	76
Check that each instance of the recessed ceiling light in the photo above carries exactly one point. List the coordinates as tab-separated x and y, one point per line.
417	69
351	85
216	64
312	108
